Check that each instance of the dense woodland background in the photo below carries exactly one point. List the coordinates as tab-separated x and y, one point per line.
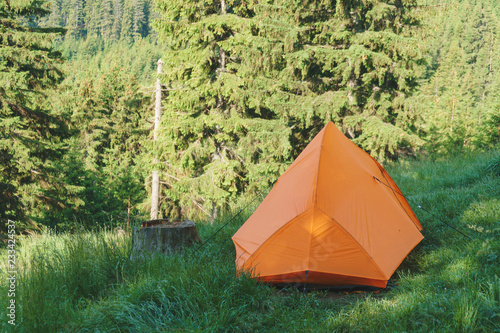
247	85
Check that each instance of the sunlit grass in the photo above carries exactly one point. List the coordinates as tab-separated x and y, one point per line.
85	282
56	274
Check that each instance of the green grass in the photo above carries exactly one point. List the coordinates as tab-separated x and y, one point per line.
84	282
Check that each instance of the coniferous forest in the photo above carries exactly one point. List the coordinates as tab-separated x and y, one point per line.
246	86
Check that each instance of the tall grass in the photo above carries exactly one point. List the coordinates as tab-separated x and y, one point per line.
85	282
58	274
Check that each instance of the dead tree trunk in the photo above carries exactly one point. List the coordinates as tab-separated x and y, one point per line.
155	183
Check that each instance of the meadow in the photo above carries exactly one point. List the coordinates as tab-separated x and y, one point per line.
85	282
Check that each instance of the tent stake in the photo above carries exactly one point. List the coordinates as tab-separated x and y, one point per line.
305	282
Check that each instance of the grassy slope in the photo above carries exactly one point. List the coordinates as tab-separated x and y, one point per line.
449	283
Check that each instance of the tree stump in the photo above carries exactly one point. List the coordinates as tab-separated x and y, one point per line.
163	236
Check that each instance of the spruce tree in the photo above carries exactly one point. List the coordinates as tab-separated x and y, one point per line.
127	18
118	16
106	19
251	83
460	81
107	106
31	132
56	18
140	19
75	19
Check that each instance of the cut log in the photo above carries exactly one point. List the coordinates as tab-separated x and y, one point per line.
163	236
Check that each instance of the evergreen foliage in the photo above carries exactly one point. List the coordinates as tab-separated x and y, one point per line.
110	54
31	131
246	87
85	281
110	20
250	84
109	112
462	81
78	162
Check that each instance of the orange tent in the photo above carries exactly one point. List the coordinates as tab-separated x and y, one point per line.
334	217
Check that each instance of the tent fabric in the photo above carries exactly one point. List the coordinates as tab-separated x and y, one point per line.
334	215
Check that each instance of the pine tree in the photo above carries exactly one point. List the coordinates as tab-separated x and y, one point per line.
140	18
127	18
106	18
250	84
75	22
103	161
56	18
460	79
31	133
118	15
92	18
474	43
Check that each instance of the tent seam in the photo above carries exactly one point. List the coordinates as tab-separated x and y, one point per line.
411	249
355	240
399	201
296	165
236	242
342	274
277	232
315	200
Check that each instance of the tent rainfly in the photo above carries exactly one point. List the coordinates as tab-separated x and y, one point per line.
335	217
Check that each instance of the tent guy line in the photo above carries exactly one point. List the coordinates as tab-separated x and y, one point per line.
232	218
227	223
381	182
425	210
398	192
324	222
327	221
